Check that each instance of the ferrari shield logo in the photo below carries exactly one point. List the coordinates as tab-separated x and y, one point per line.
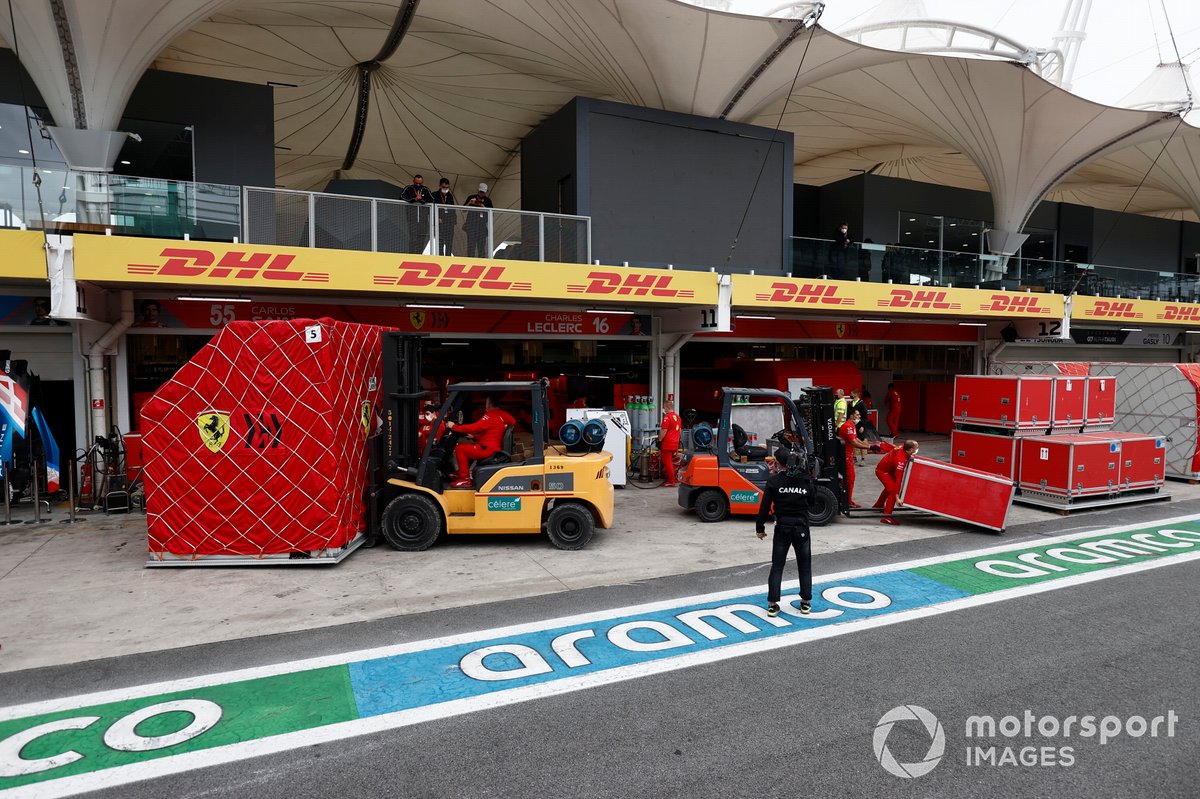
214	429
417	318
365	417
841	330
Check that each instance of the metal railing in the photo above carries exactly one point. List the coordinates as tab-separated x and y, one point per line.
879	263
88	201
344	222
124	204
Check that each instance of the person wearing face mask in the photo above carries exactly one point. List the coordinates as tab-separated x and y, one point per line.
477	223
841	246
446	217
418	195
890	471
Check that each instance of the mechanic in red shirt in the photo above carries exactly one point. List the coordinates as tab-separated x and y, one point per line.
425	426
890	471
668	442
488	433
848	433
892	400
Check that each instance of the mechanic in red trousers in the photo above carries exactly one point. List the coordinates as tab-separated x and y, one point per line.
848	433
488	433
890	471
668	442
892	400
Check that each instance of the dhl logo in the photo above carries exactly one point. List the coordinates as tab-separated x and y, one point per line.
923	299
1014	303
1106	309
805	293
454	276
1180	313
635	284
238	264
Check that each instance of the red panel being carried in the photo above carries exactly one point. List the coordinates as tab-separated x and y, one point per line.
257	446
957	492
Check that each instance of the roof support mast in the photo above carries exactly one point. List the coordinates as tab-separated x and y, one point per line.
1071	33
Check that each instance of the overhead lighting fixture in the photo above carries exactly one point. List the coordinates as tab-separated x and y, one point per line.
610	310
1131	330
126	163
23	152
1191	331
191	298
599	377
972	324
751	316
763	360
875	321
437	307
456	343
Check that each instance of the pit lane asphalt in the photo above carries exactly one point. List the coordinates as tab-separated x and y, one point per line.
798	720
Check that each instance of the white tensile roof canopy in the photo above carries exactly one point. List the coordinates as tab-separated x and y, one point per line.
387	88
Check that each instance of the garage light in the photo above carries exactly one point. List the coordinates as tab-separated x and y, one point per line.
749	316
610	310
1131	330
190	298
972	324
599	377
875	321
455	343
439	307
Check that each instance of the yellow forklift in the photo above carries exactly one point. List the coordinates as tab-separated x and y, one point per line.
559	487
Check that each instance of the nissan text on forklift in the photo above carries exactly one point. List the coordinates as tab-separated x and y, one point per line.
727	475
561	488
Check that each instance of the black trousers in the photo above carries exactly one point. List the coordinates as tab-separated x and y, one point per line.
790	534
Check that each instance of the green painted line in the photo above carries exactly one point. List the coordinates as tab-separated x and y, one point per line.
251	709
996	571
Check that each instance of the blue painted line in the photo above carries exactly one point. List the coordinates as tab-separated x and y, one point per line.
417	679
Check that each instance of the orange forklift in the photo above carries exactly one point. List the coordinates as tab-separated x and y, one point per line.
727	475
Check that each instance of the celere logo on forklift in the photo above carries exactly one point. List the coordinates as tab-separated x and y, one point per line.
504	503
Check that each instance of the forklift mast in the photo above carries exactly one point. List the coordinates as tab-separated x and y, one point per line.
402	398
816	408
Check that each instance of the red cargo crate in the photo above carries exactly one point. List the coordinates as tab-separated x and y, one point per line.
1101	406
1142	458
957	492
985	452
1069	466
1021	404
1068	413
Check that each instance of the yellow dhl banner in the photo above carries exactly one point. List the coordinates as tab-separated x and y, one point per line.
783	293
1106	309
208	265
24	254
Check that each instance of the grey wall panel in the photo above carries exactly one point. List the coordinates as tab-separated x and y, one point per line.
234	123
1139	242
666	193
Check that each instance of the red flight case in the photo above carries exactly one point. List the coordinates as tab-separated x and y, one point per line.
1022	404
957	492
1065	467
985	452
1143	462
1101	406
1068	413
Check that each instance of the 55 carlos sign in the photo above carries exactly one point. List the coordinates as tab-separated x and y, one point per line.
208	265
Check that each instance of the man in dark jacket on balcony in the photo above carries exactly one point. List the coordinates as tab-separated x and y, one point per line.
419	197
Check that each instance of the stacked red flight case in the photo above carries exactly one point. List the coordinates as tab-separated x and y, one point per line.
1048	434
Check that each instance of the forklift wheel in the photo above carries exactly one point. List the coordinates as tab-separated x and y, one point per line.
570	526
712	506
411	522
826	507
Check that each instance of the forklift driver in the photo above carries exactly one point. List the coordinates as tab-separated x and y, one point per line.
488	433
